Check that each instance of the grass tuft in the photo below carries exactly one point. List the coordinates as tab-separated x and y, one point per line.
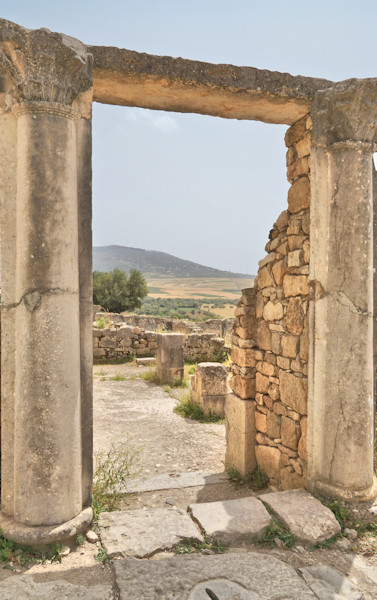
256	479
189	410
191	546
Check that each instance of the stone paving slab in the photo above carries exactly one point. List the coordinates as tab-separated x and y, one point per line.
182	578
170	481
24	587
242	519
307	518
141	533
327	583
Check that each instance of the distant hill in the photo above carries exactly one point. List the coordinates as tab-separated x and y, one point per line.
107	258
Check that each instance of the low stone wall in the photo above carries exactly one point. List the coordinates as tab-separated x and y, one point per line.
122	341
270	337
221	327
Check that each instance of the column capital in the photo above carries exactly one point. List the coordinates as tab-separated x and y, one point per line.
43	66
345	116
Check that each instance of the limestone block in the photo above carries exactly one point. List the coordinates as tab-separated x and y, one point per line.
141	533
294	316
282	221
244	388
259	304
269	459
278	271
290	433
231	521
170	361
299	195
291	156
266	368
264	278
240	434
289	345
262	383
273	423
248	296
260	421
309	520
267	259
291	481
273	312
99	352
304	341
276	342
295	258
306	249
298	168
283	362
305	223
302	445
264	336
280	409
295	132
294	391
244	357
282	249
273	392
303	147
295	242
295	285
212	378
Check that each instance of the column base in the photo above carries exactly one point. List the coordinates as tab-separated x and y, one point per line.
40	536
357	495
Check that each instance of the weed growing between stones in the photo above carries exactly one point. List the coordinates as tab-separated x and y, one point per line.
191	546
152	378
256	479
277	531
102	323
115	468
102	556
16	555
189	410
80	539
341	513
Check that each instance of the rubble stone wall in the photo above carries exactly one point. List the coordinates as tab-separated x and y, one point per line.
270	335
221	327
122	341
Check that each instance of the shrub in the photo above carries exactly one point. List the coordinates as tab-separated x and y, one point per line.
116	291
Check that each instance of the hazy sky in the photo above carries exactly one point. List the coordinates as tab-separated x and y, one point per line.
202	188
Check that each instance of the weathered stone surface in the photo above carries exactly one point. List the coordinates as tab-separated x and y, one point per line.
289	346
290	433
294	391
273	312
326	582
264	336
291	480
295	285
141	533
262	383
24	587
294	316
297	169
273	422
244	388
299	195
146	361
308	519
269	459
240	434
243	357
232	521
174	578
264	278
278	271
168	481
170	361
260	421
302	445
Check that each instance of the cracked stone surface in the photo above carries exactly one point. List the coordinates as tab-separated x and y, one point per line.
230	521
329	584
141	533
263	577
25	588
304	515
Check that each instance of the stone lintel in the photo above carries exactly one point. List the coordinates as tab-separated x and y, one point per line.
129	78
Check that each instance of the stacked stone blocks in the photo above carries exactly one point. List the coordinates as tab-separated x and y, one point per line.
209	388
270	335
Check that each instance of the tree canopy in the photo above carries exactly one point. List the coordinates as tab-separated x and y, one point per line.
116	291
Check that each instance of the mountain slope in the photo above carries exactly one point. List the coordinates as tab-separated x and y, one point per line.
106	258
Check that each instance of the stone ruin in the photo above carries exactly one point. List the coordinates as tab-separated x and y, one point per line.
303	354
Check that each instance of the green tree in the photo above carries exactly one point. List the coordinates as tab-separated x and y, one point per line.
116	291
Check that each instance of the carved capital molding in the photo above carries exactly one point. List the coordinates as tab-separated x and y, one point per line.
346	114
43	66
52	108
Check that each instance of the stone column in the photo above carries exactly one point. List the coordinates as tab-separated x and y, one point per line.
340	409
46	450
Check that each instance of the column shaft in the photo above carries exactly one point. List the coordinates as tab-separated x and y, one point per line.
341	361
47	426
